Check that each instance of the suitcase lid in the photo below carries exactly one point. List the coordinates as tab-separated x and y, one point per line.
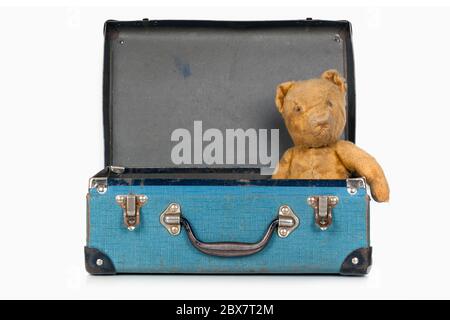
160	76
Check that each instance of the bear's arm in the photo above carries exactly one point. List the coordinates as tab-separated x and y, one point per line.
358	161
282	169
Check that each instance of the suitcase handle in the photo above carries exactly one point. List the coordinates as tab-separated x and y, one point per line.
229	249
285	223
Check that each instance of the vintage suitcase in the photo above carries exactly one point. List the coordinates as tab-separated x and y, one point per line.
147	213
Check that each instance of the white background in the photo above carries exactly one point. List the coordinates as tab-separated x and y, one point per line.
51	143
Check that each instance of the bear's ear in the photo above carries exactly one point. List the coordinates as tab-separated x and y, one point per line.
334	76
282	90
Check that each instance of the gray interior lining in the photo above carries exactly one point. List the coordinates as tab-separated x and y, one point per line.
161	79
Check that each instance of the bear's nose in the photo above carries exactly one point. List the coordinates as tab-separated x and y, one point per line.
320	118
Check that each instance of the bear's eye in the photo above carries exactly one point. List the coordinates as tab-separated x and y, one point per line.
297	108
329	104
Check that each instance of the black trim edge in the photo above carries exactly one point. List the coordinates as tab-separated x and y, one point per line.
109	32
364	256
91	255
351	91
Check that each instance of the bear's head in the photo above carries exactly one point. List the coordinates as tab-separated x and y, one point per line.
313	110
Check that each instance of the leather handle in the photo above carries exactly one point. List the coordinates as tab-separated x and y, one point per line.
228	249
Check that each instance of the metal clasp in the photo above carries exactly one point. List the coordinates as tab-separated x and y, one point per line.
170	218
131	205
323	206
287	221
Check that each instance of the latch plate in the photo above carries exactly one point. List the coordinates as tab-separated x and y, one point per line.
170	218
131	205
287	221
323	210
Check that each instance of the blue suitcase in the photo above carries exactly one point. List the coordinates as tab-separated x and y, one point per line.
149	213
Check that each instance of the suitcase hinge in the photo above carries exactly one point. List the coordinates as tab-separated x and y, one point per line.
117	169
131	205
322	206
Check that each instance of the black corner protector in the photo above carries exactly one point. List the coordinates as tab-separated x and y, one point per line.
357	263
97	262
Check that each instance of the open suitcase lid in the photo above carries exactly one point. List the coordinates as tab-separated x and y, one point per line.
160	76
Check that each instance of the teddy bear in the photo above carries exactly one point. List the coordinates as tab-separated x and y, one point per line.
315	116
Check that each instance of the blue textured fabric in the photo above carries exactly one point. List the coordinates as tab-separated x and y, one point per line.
227	213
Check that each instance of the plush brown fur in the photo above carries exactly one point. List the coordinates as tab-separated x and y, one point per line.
314	113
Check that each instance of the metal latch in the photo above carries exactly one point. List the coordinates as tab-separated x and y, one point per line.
131	205
323	206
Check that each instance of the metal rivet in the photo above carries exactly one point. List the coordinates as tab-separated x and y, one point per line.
101	189
131	228
121	42
337	38
174	229
174	207
355	260
99	262
143	199
333	200
283	232
352	190
284	209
